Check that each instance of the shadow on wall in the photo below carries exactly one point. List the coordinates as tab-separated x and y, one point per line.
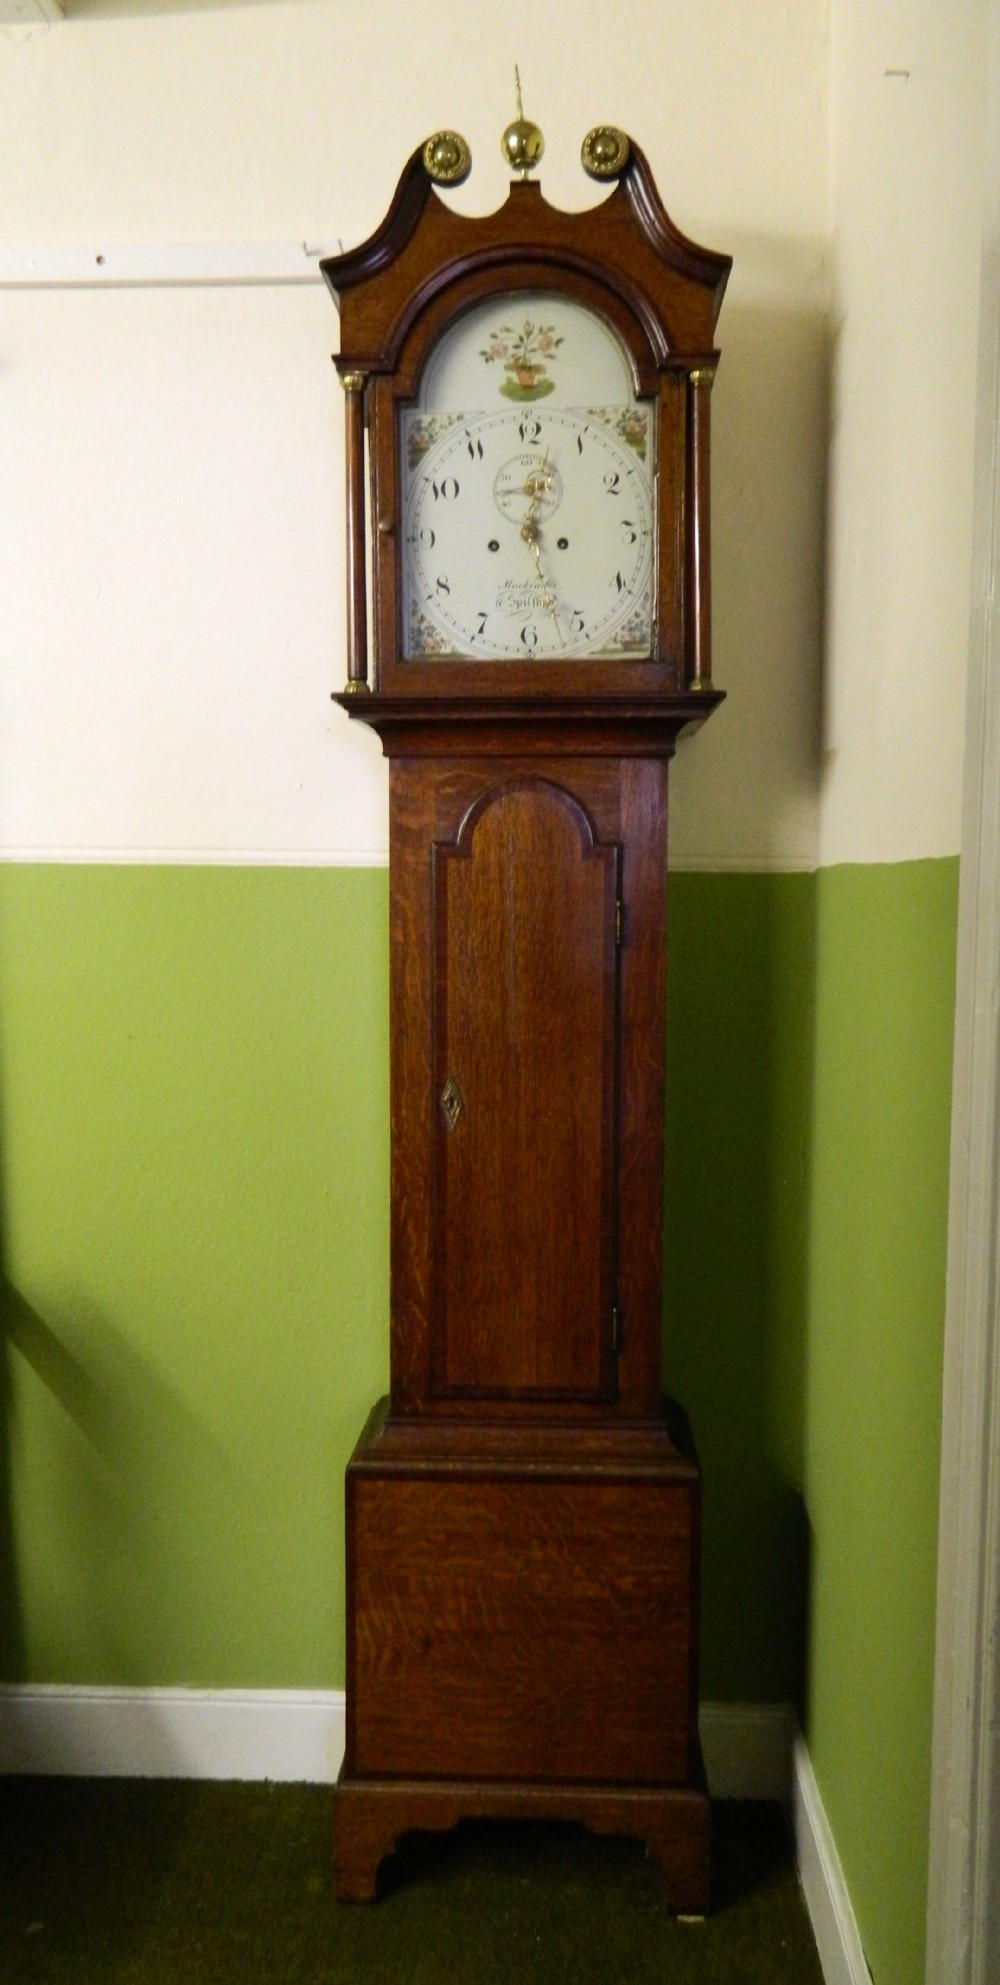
126	1467
770	450
738	1087
741	999
13	1666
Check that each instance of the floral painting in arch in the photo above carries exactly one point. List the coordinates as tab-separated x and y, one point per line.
523	355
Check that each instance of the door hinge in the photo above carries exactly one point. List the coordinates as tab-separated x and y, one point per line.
619	919
616	1328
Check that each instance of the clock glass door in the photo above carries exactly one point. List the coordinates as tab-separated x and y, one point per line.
525	1071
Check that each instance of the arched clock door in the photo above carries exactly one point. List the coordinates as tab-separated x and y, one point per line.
526	909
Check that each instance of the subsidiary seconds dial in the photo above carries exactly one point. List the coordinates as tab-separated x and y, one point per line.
527	535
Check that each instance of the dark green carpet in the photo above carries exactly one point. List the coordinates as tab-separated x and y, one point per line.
195	1884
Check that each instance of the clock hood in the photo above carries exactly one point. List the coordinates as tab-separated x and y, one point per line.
424	251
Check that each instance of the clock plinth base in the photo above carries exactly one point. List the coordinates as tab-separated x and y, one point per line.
522	1608
673	1822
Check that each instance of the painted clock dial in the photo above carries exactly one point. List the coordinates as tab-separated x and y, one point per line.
527	474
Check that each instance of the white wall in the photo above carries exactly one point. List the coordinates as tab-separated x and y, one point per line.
170	510
907	108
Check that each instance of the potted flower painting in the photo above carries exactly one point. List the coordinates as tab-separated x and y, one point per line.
523	354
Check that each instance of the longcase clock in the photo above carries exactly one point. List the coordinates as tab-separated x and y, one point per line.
527	440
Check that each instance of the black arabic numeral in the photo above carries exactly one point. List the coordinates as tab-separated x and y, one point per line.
531	644
611	481
446	489
442	584
628	530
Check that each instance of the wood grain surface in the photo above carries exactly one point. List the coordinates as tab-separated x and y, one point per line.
525	1022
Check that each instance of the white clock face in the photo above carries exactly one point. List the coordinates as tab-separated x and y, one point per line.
527	520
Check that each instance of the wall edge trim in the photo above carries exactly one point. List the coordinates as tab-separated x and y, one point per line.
107	857
161	265
45	857
828	1901
963	1919
83	857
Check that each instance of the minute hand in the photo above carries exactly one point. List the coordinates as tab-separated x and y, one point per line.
535	486
529	532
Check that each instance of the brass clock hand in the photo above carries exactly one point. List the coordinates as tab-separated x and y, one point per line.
530	534
537	484
538	481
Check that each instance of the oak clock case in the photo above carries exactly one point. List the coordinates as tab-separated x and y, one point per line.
527	457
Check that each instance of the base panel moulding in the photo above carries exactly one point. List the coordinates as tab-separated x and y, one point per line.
674	1823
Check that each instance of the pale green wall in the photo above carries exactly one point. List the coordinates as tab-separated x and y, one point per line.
194	1170
738	1103
807	1181
195	1185
885	949
195	1222
194	1173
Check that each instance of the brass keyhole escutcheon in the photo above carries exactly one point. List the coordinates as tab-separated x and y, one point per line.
451	1102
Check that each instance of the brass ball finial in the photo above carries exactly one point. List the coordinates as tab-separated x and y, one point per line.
522	143
605	151
447	158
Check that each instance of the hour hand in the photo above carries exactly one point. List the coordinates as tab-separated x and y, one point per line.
538	481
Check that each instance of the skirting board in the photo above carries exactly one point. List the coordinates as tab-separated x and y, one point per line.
287	1735
833	1921
752	1751
756	1751
296	1735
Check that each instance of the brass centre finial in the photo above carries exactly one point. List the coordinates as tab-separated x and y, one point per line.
522	143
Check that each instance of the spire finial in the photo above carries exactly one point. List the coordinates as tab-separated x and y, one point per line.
522	143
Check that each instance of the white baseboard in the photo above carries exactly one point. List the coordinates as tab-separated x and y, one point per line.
752	1751
827	1900
295	1735
747	1748
285	1735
